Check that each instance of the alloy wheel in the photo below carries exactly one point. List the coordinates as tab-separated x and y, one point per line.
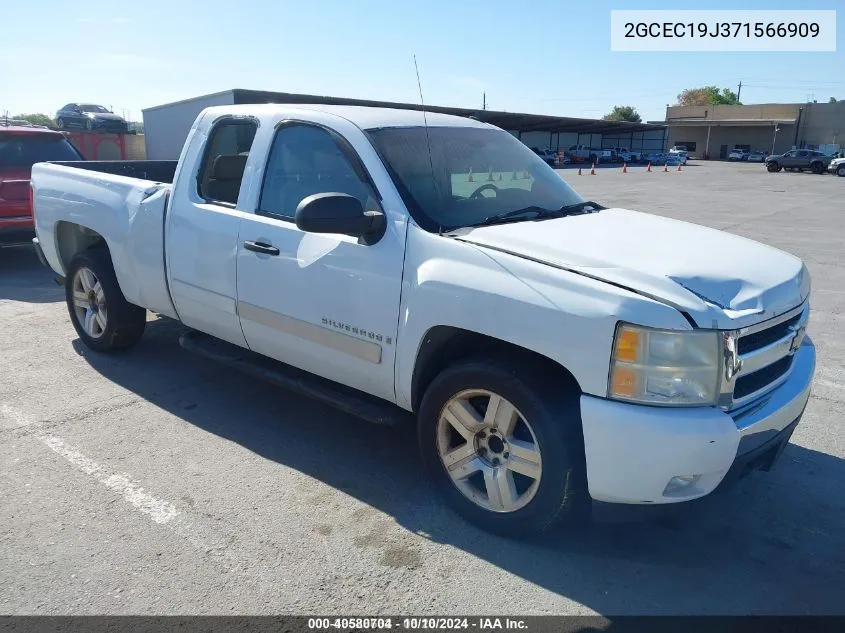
89	303
489	450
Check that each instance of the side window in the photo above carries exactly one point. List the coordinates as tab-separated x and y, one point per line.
305	160
222	166
803	154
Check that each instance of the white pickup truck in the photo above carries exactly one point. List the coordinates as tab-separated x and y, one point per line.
551	351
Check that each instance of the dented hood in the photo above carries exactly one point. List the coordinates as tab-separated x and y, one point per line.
721	280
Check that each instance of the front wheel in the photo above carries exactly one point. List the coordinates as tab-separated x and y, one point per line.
101	315
840	171
504	450
773	167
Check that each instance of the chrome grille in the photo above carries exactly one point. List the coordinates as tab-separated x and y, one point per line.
759	357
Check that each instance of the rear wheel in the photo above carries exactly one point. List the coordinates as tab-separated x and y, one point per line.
504	449
100	314
818	168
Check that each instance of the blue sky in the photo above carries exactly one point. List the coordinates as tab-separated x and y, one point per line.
536	56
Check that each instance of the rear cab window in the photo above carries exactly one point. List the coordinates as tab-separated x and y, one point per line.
222	168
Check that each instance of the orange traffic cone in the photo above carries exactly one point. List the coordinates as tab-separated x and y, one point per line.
649	166
579	171
679	168
470	175
624	168
593	170
665	168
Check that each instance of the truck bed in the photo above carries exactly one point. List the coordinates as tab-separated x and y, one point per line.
161	171
122	203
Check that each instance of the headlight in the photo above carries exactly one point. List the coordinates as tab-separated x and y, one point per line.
665	367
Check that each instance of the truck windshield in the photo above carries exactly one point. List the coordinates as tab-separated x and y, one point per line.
472	175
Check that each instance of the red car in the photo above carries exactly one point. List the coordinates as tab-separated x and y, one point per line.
20	148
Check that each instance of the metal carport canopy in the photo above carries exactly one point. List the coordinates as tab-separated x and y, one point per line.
513	121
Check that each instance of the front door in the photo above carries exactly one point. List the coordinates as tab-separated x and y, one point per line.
320	302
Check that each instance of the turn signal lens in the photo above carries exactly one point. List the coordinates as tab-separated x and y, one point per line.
627	344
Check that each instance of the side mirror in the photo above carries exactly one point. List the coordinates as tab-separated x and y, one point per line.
340	213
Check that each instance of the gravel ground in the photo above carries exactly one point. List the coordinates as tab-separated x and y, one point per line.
158	482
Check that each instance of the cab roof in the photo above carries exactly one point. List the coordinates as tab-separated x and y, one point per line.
365	117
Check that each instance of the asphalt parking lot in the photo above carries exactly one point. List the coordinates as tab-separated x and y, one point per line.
155	481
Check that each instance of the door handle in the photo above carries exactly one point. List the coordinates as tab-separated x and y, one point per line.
261	247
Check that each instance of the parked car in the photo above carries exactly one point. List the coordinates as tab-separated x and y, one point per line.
756	157
738	154
682	155
584	153
674	159
799	160
837	166
628	155
91	117
656	158
549	350
20	148
548	155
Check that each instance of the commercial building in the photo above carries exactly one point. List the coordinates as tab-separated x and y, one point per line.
166	126
712	131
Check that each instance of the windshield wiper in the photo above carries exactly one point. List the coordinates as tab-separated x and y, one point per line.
538	213
574	209
535	213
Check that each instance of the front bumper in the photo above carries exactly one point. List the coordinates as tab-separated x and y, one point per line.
633	451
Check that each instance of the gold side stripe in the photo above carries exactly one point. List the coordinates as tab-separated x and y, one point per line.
365	350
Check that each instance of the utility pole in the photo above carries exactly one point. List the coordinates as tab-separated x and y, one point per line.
739	91
484	100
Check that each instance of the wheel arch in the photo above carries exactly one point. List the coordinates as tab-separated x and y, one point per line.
72	239
444	345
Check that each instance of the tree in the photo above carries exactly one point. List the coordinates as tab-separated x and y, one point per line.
36	119
708	95
623	113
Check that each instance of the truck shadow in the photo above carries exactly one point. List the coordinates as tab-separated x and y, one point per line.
773	544
23	278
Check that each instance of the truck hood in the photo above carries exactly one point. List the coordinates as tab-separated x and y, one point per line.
720	280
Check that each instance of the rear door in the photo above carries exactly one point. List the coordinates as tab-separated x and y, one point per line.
202	228
321	302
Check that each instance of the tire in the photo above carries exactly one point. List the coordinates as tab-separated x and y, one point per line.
773	167
840	171
818	168
547	422
100	314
